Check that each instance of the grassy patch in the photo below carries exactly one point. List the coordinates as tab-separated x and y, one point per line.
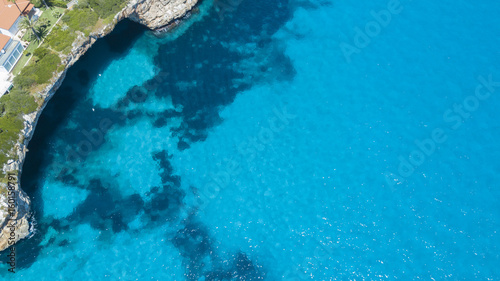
51	14
38	72
12	108
107	8
81	19
61	40
24	58
50	17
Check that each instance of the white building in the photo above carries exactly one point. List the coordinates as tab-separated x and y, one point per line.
11	49
10	52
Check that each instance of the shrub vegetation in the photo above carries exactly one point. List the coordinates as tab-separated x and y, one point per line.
61	40
56	3
106	8
81	19
12	108
38	73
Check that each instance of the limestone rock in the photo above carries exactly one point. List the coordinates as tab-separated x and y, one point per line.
157	13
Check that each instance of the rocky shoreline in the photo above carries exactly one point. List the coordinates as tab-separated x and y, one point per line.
155	14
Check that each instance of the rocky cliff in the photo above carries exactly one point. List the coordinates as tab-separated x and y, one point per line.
157	13
154	14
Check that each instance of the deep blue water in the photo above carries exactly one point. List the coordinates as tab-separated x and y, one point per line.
276	140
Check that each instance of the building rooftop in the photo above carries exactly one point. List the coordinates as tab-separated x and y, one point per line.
9	12
4	39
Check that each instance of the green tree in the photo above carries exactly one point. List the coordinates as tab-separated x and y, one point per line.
46	6
43	22
84	4
39	3
41	52
41	32
27	24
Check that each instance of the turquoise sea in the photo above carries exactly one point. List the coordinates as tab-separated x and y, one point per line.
275	140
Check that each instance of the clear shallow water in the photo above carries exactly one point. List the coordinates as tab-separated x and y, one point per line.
249	148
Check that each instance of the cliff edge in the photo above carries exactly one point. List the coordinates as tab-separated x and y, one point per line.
157	13
15	208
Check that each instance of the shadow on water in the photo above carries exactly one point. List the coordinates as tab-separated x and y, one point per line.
66	100
73	93
206	68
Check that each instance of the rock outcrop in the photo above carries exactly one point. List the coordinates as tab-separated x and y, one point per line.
154	14
157	13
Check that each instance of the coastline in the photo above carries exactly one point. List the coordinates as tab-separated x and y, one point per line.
155	14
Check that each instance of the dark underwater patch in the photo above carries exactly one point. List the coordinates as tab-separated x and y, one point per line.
246	269
242	268
69	100
193	243
104	208
201	72
166	200
162	119
166	169
308	4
